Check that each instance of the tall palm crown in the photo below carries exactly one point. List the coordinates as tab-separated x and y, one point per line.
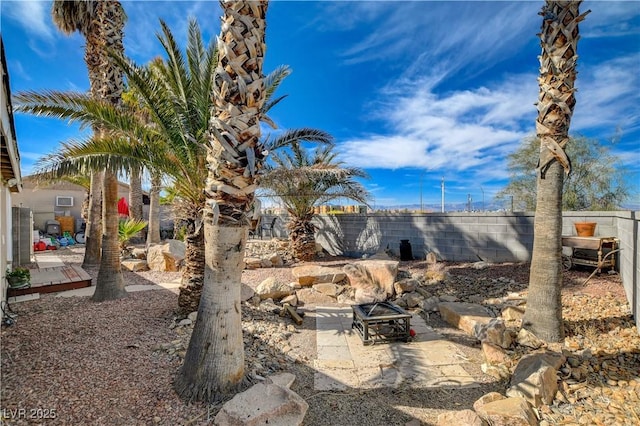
302	179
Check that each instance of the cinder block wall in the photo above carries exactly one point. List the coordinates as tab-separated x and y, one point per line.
627	224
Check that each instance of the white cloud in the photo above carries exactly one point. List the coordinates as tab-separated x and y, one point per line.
34	16
416	31
608	95
471	130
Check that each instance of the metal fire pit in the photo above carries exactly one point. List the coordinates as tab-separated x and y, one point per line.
381	321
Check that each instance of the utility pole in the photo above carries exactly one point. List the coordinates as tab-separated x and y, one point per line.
442	201
422	173
482	198
469	202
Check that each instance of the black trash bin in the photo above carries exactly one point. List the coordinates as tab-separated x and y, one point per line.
405	250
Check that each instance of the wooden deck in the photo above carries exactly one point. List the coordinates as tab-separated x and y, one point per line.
54	279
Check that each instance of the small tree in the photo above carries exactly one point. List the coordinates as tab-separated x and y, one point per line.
302	179
597	179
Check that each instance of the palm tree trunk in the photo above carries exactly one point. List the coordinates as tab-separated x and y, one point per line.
543	315
135	193
302	237
93	231
193	270
559	41
153	235
214	363
211	371
110	284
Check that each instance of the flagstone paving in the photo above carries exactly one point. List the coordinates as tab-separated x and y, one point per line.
343	362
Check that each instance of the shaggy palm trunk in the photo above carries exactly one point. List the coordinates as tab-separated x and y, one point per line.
153	233
214	363
193	270
559	40
135	193
93	231
302	237
109	283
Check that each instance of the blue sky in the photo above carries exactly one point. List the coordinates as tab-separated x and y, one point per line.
411	91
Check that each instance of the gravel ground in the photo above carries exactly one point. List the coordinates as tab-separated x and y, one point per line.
113	363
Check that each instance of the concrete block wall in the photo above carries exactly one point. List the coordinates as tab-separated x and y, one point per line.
496	237
627	224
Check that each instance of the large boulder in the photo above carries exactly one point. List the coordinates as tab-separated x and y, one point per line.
308	275
508	412
167	256
494	332
376	275
270	402
465	316
462	417
535	378
270	288
135	265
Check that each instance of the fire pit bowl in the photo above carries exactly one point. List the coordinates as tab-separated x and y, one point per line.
381	322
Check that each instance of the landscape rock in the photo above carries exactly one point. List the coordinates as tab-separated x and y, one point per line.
369	295
267	402
493	332
327	288
193	316
413	299
499	371
535	378
431	304
448	298
494	354
487	398
270	288
308	296
481	265
139	253
463	417
166	257
528	339
276	259
508	412
308	275
512	313
135	265
291	299
465	316
246	292
377	275
407	285
252	262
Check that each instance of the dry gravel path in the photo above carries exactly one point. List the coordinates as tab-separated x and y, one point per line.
113	363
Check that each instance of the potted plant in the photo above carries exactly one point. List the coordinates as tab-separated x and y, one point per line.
19	277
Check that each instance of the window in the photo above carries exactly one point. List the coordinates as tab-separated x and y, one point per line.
64	201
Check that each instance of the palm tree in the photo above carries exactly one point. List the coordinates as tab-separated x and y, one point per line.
302	180
127	229
559	41
71	16
101	22
214	363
